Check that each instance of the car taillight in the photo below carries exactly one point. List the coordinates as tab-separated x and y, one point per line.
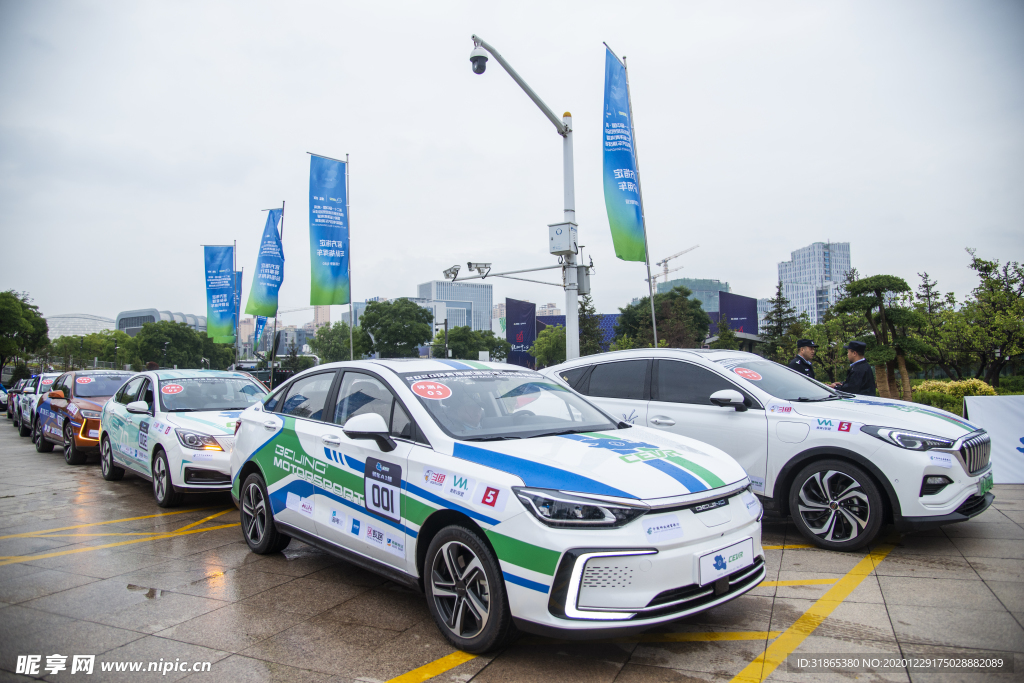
238	423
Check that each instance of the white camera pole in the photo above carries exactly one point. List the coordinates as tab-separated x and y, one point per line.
564	128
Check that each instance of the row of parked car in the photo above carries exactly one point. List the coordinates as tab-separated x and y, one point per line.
605	495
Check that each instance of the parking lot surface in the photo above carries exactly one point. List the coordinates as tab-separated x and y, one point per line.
89	567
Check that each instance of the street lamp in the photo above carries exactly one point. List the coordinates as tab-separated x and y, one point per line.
564	127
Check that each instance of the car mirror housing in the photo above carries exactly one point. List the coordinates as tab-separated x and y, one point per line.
28	390
55	394
138	408
729	398
370	426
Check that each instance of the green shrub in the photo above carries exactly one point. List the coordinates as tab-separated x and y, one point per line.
959	389
1011	385
937	399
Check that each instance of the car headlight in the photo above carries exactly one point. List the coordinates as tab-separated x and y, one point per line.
91	414
558	509
903	438
197	441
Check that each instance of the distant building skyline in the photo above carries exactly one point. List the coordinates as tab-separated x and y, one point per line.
812	277
703	290
479	295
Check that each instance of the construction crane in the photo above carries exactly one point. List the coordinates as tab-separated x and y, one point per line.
664	264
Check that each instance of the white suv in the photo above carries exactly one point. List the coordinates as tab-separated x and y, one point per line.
840	465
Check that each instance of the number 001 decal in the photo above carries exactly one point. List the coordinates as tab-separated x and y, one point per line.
382	489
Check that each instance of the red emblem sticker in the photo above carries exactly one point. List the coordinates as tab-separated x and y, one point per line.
432	390
844	426
47	382
747	374
172	389
84	380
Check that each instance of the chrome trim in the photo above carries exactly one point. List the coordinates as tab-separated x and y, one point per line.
694	498
572	610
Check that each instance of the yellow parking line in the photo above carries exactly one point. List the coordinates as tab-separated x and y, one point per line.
435	668
112	533
205	519
155	537
801	582
797	546
776	653
112	521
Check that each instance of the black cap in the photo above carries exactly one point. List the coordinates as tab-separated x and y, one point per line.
859	347
806	342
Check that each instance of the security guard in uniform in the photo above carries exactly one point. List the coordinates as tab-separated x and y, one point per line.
860	379
805	349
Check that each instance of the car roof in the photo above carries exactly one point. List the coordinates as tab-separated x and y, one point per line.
416	365
103	371
712	355
187	374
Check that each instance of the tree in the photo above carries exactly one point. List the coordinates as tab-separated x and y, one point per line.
777	323
946	338
23	330
11	324
682	322
296	363
397	327
184	348
997	314
219	356
589	325
549	349
331	343
726	338
465	343
496	347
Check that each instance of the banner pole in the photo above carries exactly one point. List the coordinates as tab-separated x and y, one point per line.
351	301
643	216
273	338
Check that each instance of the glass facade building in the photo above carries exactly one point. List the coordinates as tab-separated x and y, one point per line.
480	296
77	325
704	291
812	277
130	322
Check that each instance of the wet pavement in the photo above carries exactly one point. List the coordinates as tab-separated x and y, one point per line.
89	567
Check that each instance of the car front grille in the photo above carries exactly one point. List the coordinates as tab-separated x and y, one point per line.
692	597
972	506
194	475
975	452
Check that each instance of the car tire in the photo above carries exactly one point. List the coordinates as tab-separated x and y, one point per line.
108	469
23	430
42	445
73	455
258	527
163	485
836	505
465	591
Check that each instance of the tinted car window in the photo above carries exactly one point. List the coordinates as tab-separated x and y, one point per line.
147	394
780	381
573	376
308	396
401	425
680	382
362	394
196	394
127	395
624	379
93	386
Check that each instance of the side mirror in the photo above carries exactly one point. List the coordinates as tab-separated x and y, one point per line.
729	398
370	426
28	390
138	408
56	394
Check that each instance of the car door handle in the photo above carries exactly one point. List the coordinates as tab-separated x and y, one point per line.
331	440
663	422
270	425
130	421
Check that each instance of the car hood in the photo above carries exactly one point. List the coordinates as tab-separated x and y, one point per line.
213	422
886	413
635	463
92	403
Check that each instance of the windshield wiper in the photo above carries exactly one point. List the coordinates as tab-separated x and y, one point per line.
560	433
185	410
491	438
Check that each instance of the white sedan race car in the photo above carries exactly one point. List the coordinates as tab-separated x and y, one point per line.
840	465
175	428
506	498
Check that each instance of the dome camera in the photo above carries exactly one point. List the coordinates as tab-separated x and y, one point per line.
479	58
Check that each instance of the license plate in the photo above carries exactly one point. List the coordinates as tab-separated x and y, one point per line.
714	566
985	484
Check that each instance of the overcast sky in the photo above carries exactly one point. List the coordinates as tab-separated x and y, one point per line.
133	132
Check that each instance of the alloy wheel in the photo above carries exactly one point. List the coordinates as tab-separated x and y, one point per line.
159	479
833	506
460	589
254	513
105	458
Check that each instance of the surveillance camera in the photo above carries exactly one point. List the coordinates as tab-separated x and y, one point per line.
479	58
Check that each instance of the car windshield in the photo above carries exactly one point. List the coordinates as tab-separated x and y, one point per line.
489	405
779	381
196	394
95	386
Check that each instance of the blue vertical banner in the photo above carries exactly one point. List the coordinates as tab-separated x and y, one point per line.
261	323
266	281
521	331
328	232
220	293
621	185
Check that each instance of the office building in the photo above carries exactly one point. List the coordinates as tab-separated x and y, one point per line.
498	310
321	316
76	325
549	309
704	291
812	277
480	297
130	322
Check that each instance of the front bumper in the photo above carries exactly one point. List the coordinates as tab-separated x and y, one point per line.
972	507
203	471
86	434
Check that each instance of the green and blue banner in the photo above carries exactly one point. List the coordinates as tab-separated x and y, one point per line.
266	281
261	323
621	185
220	293
328	232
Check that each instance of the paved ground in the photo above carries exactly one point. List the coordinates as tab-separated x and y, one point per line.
91	567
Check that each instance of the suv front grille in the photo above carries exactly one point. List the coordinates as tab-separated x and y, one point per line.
972	506
975	452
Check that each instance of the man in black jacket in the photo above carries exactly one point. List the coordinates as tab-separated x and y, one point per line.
860	379
801	362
